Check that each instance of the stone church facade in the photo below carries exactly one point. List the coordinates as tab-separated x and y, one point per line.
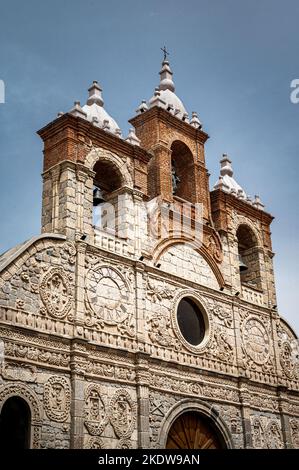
121	330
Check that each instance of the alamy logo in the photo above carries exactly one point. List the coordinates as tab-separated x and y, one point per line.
294	96
2	92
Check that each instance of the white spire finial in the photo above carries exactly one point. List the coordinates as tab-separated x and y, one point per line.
195	122
166	82
77	111
132	138
226	166
95	94
257	203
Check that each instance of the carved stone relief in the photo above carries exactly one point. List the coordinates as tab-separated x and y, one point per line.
294	426
222	311
94	443
18	371
222	348
56	292
57	398
95	416
266	433
288	353
109	299
122	413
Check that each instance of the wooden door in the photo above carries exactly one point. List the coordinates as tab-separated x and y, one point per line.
191	431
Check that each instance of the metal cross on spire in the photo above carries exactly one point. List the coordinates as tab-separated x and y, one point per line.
165	52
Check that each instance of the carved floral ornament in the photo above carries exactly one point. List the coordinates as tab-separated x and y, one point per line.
213	245
56	292
57	398
109	299
207	320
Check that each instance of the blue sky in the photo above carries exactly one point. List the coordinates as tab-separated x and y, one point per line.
233	63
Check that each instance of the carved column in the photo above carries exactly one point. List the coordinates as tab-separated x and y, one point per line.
284	419
245	412
143	424
80	287
78	363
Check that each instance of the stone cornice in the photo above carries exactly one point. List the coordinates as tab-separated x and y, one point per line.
171	121
98	136
218	196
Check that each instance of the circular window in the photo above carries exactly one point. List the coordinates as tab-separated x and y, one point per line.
191	321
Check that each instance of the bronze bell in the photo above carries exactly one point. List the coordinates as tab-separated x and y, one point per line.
242	266
97	197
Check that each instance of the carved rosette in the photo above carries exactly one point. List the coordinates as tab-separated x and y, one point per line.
255	341
122	413
95	417
57	399
56	292
109	299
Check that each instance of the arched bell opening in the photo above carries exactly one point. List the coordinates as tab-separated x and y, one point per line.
182	172
109	201
248	257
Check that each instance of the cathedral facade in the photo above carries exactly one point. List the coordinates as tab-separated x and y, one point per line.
144	315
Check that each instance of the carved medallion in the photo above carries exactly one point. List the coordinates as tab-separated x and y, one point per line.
122	412
95	414
258	434
56	293
294	425
109	298
57	398
256	340
94	443
274	436
125	444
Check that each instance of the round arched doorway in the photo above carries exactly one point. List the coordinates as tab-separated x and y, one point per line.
191	430
15	424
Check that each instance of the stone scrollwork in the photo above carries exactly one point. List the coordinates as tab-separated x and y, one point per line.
95	416
122	414
57	398
159	322
56	292
109	299
222	348
223	312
